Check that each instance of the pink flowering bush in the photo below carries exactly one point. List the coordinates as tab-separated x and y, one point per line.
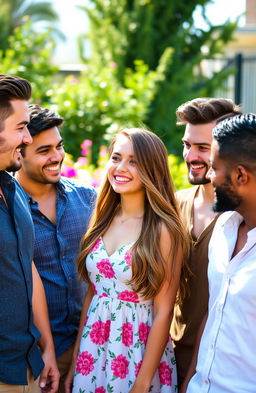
82	169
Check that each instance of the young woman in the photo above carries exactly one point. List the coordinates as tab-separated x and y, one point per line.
132	256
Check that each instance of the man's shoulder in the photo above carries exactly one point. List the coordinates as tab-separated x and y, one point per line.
9	180
74	186
223	218
186	193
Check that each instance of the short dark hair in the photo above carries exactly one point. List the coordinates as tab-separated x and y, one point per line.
205	110
236	137
12	88
42	119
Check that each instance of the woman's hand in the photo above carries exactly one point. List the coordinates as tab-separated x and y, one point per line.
68	384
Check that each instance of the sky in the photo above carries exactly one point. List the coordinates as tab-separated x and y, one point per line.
73	22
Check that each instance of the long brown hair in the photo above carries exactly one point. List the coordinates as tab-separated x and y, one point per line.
148	266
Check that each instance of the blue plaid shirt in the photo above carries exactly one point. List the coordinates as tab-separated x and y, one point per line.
56	248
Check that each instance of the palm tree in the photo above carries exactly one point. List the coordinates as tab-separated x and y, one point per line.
12	13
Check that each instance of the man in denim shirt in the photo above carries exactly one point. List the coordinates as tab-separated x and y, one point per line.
60	210
23	306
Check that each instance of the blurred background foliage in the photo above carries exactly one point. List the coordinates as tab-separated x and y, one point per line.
144	61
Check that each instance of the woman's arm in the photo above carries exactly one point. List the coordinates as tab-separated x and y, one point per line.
163	310
87	301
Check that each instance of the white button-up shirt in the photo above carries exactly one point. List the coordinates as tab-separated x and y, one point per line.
227	353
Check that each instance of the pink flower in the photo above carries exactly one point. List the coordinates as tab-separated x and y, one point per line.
96	245
119	366
95	182
84	363
85	152
143	332
128	296
137	368
86	143
113	64
104	294
100	390
128	257
100	332
107	329
68	171
82	161
105	268
165	374
127	334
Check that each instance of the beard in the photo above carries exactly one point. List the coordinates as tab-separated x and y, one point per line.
226	198
198	179
194	180
14	167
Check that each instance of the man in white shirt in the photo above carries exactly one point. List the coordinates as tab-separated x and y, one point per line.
226	359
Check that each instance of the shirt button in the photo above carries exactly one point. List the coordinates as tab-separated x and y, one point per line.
20	253
42	216
206	382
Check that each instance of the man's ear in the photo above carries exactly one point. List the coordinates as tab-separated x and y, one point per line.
240	175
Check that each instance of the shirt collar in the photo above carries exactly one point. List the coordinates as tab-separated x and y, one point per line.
61	190
234	219
6	178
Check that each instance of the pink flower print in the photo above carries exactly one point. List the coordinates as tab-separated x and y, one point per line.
127	334
143	332
107	329
137	368
105	268
100	390
119	366
165	374
128	257
104	294
100	332
96	245
128	296
94	289
84	363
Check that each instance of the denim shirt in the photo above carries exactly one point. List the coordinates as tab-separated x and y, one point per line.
18	334
56	249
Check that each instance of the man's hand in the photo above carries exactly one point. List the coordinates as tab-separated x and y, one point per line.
49	378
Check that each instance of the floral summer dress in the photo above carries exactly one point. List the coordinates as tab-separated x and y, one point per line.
116	330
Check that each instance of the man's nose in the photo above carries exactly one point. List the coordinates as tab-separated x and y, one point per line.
27	138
